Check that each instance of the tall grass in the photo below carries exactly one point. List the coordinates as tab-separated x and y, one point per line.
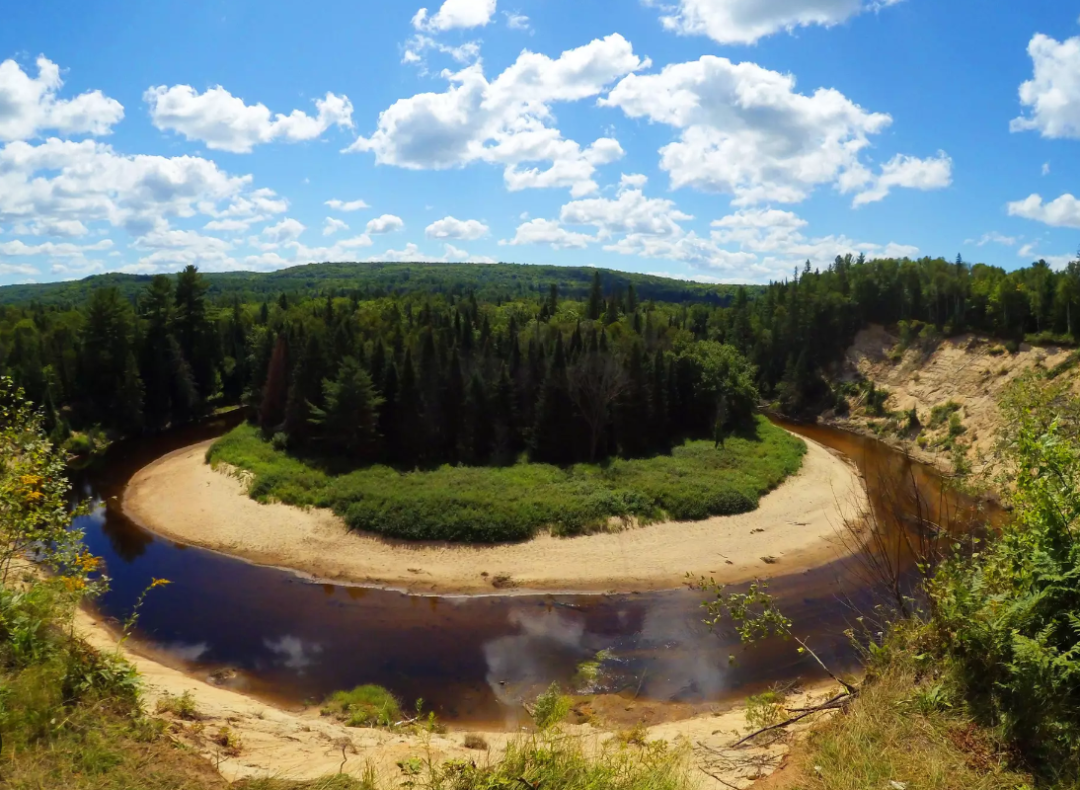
498	504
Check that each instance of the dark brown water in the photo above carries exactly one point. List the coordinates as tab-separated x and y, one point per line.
471	659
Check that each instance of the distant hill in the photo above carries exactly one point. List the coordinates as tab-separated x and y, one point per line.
489	282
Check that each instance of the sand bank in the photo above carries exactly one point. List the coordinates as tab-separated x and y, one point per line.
299	745
179	496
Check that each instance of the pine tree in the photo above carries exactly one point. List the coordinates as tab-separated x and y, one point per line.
350	418
633	408
194	331
596	299
553	435
480	430
410	425
305	388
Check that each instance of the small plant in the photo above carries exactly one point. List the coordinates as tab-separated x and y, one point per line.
364	706
638	735
411	766
474	741
765	710
941	413
913	423
228	740
182	707
280	442
550	708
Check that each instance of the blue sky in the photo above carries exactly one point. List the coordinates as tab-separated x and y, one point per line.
719	140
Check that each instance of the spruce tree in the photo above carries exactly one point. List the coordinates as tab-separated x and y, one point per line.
276	389
349	419
596	299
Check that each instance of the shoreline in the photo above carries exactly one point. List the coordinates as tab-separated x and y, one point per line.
179	497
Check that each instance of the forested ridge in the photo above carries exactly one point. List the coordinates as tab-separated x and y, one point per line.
417	364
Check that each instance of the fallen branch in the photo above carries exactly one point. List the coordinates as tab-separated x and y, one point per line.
850	689
837	702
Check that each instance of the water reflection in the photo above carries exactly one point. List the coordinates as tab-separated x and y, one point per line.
471	659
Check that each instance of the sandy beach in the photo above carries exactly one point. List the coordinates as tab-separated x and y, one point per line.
180	497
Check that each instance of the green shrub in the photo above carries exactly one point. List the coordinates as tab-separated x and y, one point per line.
1008	618
941	413
497	504
364	706
550	708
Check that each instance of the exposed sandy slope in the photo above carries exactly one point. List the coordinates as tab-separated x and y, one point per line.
181	497
961	369
287	745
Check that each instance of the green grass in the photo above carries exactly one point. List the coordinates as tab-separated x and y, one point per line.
364	706
498	504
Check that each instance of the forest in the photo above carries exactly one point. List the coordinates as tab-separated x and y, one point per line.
420	364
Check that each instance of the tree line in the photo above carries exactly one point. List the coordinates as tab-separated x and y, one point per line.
416	376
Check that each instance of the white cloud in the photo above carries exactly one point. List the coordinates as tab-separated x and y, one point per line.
86	181
225	123
633	180
387	223
451	228
516	21
455	14
1046	168
19	268
288	229
412	254
993	237
420	44
351	205
506	121
776	237
172	239
1053	94
333	225
908	172
19	248
744	130
29	106
630	212
1061	213
232	225
68	228
689	248
746	21
549	231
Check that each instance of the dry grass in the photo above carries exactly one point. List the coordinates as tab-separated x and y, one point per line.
893	734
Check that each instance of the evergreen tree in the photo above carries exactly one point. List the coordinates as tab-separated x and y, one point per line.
194	331
596	299
350	418
553	435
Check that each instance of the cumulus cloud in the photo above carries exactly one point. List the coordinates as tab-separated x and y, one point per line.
68	228
993	237
776	238
549	231
29	105
452	228
333	225
630	212
387	223
1053	94
908	172
225	123
412	254
19	248
505	121
288	229
744	130
1064	212
350	205
747	21
455	14
87	181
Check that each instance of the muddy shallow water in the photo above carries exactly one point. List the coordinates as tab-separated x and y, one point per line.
472	659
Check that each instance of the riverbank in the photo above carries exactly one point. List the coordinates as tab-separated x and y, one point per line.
180	497
268	741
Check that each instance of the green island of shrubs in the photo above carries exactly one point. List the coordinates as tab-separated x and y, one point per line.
492	504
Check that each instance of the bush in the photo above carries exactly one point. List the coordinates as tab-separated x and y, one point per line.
364	706
550	708
1008	618
496	504
942	413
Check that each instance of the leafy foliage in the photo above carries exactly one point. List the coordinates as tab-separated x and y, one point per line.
494	504
364	706
550	708
1009	617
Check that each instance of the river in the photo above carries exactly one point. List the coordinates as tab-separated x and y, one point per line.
280	637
